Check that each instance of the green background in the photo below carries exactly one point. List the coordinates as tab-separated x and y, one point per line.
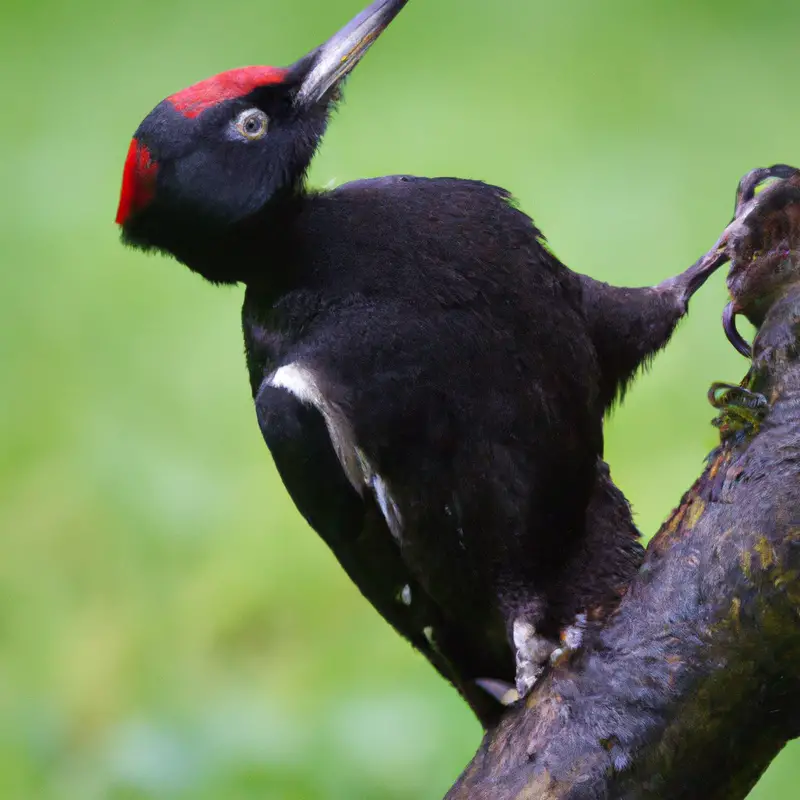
169	627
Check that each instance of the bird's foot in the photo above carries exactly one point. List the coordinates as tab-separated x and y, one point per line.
532	653
571	640
741	410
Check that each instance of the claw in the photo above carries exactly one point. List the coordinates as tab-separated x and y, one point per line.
741	410
571	640
724	395
754	180
504	693
734	337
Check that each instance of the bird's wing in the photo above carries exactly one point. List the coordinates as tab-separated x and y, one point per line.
355	527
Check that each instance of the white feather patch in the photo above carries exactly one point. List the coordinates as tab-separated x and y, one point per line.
304	385
388	507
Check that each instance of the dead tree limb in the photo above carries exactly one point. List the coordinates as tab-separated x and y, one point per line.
693	686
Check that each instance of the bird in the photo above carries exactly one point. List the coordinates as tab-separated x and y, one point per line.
430	379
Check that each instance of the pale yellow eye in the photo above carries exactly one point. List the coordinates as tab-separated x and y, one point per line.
252	124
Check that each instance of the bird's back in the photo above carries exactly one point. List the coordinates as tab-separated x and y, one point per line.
454	344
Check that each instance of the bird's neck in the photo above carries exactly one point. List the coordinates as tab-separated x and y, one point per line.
256	251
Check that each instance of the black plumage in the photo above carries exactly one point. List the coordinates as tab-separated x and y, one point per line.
431	381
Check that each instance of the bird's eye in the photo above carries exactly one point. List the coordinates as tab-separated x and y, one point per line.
252	124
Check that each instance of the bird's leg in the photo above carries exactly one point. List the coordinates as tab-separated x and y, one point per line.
630	325
683	286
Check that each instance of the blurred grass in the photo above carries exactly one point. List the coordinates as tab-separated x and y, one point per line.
169	628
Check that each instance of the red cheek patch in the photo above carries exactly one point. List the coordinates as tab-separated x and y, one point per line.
138	181
191	102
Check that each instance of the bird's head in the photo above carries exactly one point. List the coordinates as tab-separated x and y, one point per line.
212	159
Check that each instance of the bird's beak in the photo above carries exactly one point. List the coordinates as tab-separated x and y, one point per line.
326	66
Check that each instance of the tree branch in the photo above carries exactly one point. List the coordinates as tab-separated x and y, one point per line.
693	685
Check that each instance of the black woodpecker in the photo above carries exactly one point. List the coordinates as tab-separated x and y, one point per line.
430	379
